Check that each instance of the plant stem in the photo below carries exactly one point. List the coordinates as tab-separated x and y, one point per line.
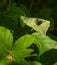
31	5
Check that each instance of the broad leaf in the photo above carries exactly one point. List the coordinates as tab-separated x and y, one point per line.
44	43
37	24
20	49
47	49
6	41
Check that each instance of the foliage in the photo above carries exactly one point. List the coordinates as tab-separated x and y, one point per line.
21	49
27	32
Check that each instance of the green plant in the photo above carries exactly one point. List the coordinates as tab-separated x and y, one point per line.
23	50
23	35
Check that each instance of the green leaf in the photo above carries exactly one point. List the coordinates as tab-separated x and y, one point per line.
5	62
55	63
6	41
44	43
42	26
20	49
36	63
6	38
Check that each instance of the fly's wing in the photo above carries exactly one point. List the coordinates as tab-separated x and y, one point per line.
38	24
